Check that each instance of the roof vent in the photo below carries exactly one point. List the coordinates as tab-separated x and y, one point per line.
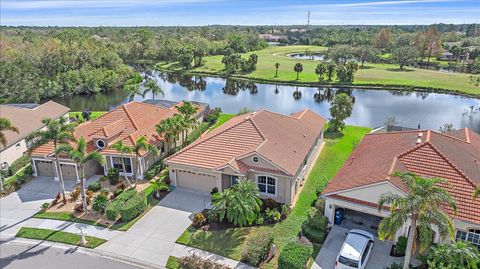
304	135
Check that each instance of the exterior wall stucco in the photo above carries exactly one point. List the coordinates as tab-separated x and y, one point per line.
12	153
371	193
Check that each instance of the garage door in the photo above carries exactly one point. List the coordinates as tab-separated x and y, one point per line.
44	168
195	181
68	171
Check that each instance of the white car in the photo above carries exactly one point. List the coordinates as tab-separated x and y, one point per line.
355	250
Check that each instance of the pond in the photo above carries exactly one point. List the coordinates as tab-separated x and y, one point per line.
371	107
304	56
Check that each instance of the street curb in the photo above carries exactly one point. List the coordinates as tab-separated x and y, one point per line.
106	254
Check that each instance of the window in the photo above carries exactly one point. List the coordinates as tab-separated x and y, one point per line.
100	144
117	163
472	236
161	147
17	146
255	159
367	250
267	185
233	180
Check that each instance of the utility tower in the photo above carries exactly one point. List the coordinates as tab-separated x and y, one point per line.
308	19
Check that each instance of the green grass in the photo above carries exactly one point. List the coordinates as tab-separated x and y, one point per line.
222	119
20	174
229	242
122	226
94	115
373	74
58	236
172	263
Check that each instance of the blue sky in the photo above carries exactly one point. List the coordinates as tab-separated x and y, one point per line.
246	12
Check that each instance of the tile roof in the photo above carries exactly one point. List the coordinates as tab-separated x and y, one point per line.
28	118
454	156
127	123
283	140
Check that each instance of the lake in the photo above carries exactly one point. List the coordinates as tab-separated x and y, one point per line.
371	107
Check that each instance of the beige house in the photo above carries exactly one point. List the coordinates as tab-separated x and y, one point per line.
28	119
127	123
367	174
272	149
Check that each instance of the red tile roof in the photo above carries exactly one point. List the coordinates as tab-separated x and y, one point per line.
454	156
283	140
126	123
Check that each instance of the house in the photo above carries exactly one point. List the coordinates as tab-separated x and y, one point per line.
272	149
28	119
367	174
127	123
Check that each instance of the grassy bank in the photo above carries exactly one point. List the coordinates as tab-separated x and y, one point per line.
229	242
94	115
371	75
59	236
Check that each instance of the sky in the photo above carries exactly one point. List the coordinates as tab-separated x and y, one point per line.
235	12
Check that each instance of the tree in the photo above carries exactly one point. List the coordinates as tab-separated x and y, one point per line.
404	56
390	121
331	68
320	70
158	186
58	132
446	127
170	128
476	193
187	111
79	155
277	65
383	39
123	150
340	110
471	30
240	204
423	205
340	54
298	68
432	40
365	53
457	255
6	125
140	147
152	86
133	89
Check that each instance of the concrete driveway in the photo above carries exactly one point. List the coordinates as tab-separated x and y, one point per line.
152	238
379	258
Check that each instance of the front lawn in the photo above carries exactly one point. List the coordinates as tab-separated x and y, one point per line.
222	119
229	242
59	236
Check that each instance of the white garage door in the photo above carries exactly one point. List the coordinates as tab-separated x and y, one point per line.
195	181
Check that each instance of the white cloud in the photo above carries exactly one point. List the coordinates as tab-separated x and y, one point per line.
387	3
56	4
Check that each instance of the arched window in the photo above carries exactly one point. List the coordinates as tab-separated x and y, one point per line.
267	185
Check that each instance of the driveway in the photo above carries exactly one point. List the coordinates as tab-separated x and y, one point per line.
19	206
379	258
152	238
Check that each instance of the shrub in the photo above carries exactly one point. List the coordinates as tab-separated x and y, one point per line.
273	215
95	186
196	262
16	165
212	115
78	208
113	209
285	211
395	266
100	203
269	203
316	219
105	191
259	220
57	199
214	190
154	170
103	178
294	256
257	247
75	193
197	132
133	207
314	235
113	176
121	185
198	220
401	246
320	205
45	206
117	192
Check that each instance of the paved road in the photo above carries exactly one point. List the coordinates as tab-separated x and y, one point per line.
22	256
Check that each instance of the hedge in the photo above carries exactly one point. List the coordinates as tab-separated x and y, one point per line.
202	127
15	166
315	227
257	248
154	170
133	207
113	209
317	236
95	186
294	256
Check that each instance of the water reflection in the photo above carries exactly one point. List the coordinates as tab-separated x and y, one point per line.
371	107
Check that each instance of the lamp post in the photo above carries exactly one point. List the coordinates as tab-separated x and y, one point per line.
3	166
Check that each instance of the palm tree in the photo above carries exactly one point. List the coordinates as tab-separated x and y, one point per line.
187	111
277	65
6	125
123	149
132	90
141	144
320	70
170	128
56	131
298	68
81	157
152	86
158	186
423	205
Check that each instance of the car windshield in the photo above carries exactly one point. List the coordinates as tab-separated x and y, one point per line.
348	262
